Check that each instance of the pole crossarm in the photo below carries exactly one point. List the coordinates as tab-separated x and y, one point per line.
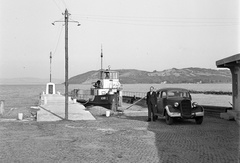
73	21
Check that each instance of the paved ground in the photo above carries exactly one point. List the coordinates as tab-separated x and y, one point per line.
120	138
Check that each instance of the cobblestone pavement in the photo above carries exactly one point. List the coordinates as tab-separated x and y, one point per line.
120	139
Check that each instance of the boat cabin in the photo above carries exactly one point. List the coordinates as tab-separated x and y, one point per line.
108	83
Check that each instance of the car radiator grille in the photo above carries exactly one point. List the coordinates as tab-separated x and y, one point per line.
186	108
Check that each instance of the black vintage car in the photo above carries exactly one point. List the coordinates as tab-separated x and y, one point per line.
176	103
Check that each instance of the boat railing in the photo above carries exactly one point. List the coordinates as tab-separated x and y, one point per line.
84	96
81	94
134	94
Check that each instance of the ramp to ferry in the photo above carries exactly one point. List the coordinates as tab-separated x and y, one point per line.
52	108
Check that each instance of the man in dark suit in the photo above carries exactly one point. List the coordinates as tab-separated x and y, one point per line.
151	103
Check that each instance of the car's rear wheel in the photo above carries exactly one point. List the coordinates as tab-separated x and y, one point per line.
199	120
169	120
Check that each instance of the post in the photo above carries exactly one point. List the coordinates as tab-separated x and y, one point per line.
66	64
1	107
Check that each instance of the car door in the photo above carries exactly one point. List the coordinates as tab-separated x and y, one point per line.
162	95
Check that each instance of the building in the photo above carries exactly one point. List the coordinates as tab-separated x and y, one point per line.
233	63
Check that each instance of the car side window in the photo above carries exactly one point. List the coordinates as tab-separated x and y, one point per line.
163	95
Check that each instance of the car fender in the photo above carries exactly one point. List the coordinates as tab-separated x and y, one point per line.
201	107
198	111
166	110
171	114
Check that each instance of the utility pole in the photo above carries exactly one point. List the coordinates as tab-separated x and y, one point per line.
66	64
50	67
66	20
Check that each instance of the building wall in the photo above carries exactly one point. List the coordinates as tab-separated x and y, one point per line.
236	87
237	99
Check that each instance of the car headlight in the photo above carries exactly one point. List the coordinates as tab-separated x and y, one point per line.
194	104
176	104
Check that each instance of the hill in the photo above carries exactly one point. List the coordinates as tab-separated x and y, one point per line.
174	75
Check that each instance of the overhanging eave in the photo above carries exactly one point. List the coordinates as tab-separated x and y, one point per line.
229	61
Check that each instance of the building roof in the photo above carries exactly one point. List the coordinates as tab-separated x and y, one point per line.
229	61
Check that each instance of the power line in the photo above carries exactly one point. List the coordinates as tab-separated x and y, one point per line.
167	23
161	21
58	6
65	4
59	36
139	17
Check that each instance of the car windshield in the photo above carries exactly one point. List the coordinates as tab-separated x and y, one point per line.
178	93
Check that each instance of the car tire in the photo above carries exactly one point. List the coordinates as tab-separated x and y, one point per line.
199	120
169	120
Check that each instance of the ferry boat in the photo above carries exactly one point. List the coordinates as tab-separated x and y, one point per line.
105	92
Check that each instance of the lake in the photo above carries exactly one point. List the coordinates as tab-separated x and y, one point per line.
21	96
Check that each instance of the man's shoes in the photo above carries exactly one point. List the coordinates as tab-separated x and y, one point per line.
149	119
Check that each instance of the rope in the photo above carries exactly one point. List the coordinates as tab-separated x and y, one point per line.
86	102
135	103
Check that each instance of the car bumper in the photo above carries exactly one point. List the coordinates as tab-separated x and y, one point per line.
198	114
179	115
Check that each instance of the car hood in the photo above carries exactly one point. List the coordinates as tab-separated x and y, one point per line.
177	98
171	101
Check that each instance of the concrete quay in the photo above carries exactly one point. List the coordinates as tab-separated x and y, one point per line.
52	108
123	138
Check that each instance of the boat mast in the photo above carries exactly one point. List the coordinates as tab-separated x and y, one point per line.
50	67
101	58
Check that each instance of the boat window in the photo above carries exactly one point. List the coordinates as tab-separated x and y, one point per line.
114	75
104	75
107	76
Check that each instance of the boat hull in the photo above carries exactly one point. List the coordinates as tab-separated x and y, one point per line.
108	101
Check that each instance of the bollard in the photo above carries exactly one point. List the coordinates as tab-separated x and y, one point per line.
107	113
45	100
74	101
1	107
120	98
20	116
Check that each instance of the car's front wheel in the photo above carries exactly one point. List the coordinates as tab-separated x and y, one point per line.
199	120
169	120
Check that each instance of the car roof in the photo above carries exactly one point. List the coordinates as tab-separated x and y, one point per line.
169	89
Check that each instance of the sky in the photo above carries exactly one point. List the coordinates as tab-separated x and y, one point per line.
134	34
